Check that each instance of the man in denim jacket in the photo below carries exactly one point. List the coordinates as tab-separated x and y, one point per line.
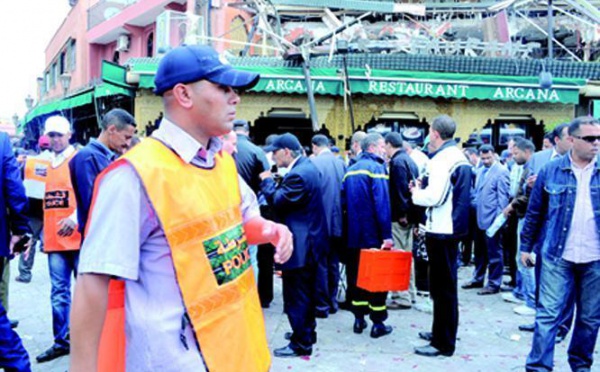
566	197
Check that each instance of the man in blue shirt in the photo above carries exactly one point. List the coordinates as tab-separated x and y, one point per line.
565	200
118	128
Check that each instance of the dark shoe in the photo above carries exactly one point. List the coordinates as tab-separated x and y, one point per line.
359	325
430	351
488	291
14	323
288	336
321	314
290	351
472	284
346	305
22	280
52	353
427	336
527	327
380	330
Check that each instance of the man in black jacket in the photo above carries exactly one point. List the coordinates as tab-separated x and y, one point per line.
404	213
298	203
251	161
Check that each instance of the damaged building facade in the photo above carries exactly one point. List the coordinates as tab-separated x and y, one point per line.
339	66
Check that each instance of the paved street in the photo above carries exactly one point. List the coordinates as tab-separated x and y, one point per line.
489	339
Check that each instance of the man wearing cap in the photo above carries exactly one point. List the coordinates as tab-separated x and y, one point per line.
297	201
61	240
172	219
251	161
118	128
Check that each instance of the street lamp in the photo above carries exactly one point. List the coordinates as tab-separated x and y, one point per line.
29	102
65	80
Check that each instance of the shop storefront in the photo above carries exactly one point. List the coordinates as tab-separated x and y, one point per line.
394	99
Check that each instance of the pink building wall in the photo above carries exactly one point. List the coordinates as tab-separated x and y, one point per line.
89	54
73	27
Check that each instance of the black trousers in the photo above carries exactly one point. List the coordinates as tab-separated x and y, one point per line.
265	259
509	244
328	277
469	239
363	301
443	254
299	304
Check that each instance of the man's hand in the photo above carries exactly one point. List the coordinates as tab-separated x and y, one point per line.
264	175
531	181
387	244
14	240
414	185
527	259
281	237
508	210
66	227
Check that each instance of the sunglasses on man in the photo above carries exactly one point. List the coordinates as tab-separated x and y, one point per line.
588	139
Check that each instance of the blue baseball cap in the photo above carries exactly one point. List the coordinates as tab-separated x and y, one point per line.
284	141
191	63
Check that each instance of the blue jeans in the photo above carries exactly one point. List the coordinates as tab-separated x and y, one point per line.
62	265
13	356
558	282
526	274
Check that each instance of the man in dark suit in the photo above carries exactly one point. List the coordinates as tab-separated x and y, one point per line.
332	171
251	161
13	206
492	184
298	203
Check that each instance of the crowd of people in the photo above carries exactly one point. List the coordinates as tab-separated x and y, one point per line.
173	242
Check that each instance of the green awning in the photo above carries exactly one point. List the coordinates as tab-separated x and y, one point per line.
327	81
102	90
107	89
113	73
63	104
146	81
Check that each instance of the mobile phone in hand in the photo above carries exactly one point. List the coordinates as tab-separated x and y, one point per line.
19	246
529	262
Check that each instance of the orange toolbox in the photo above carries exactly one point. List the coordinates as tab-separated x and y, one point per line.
384	270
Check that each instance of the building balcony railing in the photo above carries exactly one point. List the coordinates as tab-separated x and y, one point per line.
105	10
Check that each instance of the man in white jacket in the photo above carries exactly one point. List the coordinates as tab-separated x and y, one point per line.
446	192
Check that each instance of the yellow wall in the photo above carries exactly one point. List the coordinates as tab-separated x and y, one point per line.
469	114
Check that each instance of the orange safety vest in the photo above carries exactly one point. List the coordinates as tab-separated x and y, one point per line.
199	210
59	203
36	173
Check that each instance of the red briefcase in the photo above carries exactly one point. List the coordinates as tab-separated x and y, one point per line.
381	271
